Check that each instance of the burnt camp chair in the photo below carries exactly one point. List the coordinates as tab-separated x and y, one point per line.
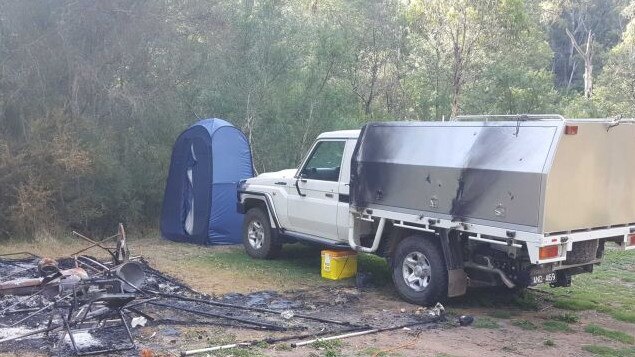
100	308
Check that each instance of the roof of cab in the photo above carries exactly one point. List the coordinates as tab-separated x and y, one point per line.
340	134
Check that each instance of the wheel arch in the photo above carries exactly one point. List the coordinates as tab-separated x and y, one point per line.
395	234
260	200
448	241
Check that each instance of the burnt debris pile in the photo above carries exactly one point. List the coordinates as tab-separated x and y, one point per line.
82	305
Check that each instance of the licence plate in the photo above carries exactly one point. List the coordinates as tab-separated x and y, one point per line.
543	278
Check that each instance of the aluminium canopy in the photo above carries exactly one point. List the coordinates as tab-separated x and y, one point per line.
199	204
539	176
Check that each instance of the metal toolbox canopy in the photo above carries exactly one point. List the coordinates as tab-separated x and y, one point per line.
528	175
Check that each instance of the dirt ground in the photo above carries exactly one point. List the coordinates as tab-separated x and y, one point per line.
503	329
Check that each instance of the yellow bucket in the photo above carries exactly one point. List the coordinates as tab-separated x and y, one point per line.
339	264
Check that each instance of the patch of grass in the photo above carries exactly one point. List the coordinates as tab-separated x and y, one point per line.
238	352
556	326
297	263
331	348
526	300
604	290
625	316
610	334
486	322
321	344
549	343
605	351
525	324
567	317
283	347
262	344
575	304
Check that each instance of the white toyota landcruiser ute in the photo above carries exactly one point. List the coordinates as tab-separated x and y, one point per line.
516	202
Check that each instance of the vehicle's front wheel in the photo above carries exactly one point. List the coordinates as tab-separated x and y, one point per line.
259	240
419	272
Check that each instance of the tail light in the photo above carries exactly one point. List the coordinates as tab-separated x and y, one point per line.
631	239
571	130
549	251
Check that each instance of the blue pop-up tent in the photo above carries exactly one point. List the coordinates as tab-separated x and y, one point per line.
199	204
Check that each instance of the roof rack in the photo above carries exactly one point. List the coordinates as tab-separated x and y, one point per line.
508	117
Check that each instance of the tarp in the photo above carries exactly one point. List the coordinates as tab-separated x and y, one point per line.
199	204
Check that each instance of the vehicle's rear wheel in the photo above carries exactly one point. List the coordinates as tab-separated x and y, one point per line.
419	272
259	240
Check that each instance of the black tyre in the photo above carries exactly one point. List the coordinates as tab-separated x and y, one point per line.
419	272
259	240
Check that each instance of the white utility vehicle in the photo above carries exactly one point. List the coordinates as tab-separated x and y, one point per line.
516	201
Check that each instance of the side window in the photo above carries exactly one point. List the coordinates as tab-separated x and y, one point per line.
324	163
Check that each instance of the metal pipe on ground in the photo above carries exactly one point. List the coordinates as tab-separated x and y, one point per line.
260	324
257	309
267	340
358	333
102	266
216	348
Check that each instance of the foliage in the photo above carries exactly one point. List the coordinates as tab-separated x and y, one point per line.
556	326
605	351
525	324
592	291
94	93
610	334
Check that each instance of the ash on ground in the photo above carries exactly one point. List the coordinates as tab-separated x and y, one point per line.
168	315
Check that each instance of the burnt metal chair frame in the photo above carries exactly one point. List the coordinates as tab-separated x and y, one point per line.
115	309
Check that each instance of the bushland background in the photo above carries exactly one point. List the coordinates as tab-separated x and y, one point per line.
94	93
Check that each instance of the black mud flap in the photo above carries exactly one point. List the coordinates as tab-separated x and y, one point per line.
457	282
453	254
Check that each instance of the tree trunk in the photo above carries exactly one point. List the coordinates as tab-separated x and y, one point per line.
587	56
588	67
457	81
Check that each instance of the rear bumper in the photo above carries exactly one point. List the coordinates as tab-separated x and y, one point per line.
564	240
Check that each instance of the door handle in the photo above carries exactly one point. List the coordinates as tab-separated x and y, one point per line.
297	187
330	195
